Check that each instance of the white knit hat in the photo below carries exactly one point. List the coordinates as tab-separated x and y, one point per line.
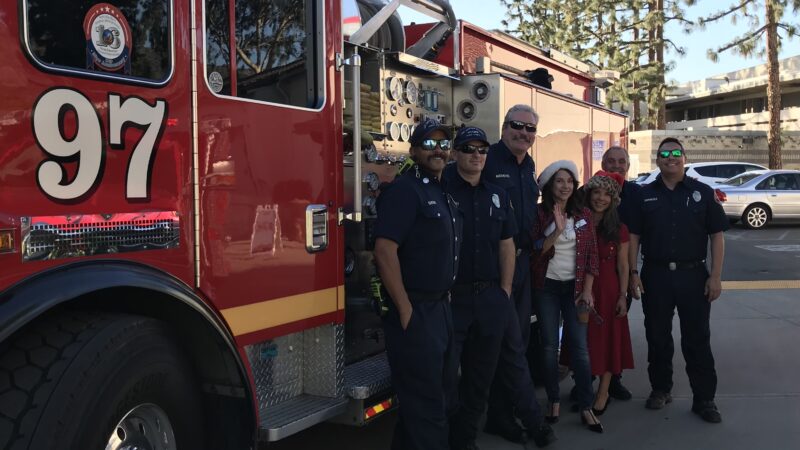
551	170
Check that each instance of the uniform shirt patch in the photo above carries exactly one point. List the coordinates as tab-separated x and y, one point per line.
496	200
696	196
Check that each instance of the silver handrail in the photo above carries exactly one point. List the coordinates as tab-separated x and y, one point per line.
354	61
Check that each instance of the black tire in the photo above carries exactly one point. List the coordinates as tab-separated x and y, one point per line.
756	216
67	380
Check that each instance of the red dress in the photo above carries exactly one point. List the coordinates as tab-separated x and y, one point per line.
610	342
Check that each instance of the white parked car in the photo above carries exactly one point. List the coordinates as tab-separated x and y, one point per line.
710	173
761	196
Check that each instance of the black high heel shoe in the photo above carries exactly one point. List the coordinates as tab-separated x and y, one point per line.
600	412
595	424
553	411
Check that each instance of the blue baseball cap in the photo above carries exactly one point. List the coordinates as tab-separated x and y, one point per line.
468	134
425	129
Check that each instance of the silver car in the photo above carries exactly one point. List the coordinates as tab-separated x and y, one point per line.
760	196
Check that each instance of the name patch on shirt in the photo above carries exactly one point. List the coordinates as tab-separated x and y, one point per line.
651	199
502	175
431	202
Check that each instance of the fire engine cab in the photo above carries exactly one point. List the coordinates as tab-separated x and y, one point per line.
187	194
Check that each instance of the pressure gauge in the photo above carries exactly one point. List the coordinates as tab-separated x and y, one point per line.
405	132
409	113
411	92
393	109
394	88
393	130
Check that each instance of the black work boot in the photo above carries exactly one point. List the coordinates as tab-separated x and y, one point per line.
617	390
658	400
542	435
707	410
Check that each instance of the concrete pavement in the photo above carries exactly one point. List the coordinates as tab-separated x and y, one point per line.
756	343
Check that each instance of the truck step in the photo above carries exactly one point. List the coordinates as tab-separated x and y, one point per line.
299	413
367	377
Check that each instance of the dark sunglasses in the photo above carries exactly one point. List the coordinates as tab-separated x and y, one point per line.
677	153
470	149
517	125
430	144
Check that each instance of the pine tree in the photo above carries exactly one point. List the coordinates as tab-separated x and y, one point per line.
774	15
622	35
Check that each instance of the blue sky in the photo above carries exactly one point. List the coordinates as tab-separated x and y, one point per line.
694	65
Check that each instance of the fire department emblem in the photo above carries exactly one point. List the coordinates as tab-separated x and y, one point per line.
108	39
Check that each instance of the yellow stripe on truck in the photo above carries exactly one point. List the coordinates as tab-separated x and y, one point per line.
279	311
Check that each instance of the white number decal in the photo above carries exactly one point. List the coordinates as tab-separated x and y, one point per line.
135	110
86	147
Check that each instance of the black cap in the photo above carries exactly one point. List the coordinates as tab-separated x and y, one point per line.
425	129
468	134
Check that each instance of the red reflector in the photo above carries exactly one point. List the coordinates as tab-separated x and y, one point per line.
721	196
377	409
172	122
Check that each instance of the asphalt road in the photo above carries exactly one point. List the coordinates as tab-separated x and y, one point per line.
758	393
772	253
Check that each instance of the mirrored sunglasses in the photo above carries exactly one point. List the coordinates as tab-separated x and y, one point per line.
517	125
677	153
430	144
470	149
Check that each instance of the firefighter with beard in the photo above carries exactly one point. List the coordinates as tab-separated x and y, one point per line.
418	234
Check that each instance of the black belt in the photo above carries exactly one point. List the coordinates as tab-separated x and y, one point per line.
427	296
472	288
675	265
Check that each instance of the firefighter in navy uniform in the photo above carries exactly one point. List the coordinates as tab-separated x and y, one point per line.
674	219
511	167
418	233
481	298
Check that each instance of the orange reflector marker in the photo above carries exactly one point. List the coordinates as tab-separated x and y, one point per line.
6	241
373	411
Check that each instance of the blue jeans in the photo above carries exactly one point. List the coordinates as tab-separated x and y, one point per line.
556	300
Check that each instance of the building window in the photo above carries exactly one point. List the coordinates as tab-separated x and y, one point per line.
131	39
277	47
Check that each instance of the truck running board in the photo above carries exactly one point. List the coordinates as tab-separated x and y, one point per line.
367	377
299	413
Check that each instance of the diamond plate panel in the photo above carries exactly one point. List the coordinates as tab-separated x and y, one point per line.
368	377
324	361
277	367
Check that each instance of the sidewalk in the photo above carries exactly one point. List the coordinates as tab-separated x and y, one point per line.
756	344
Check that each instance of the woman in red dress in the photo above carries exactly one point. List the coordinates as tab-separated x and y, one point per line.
609	339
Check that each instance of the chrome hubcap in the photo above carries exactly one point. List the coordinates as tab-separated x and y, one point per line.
757	217
145	427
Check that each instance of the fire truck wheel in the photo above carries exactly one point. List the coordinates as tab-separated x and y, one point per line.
88	380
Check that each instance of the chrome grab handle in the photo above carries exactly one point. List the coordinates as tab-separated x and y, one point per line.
354	62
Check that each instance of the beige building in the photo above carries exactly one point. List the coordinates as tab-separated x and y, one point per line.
725	118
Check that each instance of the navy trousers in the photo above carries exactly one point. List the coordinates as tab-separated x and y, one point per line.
512	388
420	358
664	291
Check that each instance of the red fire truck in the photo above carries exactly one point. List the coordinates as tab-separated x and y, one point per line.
187	196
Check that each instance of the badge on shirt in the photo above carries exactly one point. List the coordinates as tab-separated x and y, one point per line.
426	180
496	200
696	196
580	223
